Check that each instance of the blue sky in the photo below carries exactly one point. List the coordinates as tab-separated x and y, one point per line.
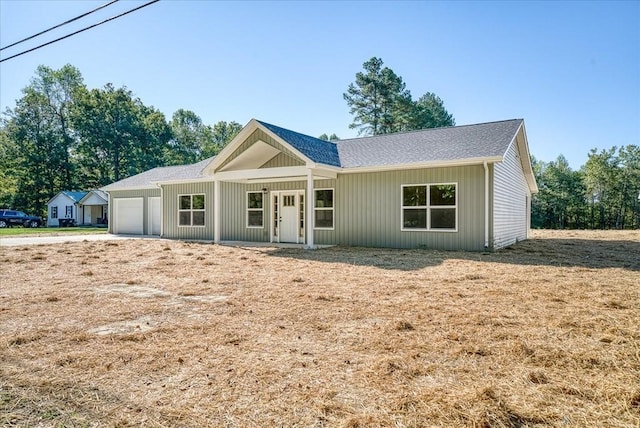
570	69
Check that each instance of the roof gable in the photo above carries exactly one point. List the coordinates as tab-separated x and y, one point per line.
95	197
257	149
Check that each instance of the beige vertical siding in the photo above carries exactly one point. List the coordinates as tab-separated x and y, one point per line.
510	201
140	193
258	135
282	159
170	228
233	210
367	209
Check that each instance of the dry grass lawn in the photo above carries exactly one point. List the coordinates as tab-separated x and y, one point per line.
163	333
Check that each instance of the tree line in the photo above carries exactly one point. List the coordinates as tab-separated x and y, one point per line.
603	194
62	135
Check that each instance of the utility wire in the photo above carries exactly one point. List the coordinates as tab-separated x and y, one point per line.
79	31
59	25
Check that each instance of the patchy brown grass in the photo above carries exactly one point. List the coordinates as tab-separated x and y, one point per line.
160	333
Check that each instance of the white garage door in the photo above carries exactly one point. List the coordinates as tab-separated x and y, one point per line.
155	208
128	216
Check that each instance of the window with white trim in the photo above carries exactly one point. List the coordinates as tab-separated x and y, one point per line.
68	213
191	210
430	207
54	212
255	210
323	209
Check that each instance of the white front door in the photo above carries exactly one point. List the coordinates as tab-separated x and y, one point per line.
288	217
287	214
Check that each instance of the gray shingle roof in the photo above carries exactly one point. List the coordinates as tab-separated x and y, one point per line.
467	142
148	178
317	150
482	140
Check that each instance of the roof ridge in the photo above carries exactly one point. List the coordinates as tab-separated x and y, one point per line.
415	131
295	132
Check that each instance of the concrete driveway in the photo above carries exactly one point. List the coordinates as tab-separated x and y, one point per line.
37	240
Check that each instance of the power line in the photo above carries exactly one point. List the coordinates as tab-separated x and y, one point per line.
79	31
59	25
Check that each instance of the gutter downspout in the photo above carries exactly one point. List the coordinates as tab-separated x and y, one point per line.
161	216
309	211
486	205
216	211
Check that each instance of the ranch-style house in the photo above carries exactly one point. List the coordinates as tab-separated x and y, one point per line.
456	188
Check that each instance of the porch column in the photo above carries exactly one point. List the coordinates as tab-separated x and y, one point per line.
309	210
216	211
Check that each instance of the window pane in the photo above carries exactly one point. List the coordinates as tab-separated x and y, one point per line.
185	218
255	200
198	202
185	202
414	218
324	198
443	218
254	218
198	218
324	218
413	196
444	194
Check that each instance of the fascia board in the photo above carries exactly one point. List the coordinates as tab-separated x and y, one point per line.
210	178
525	157
248	129
420	165
122	189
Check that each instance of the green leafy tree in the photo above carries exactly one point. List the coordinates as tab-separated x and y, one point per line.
612	178
431	113
8	176
40	141
381	103
560	202
325	137
119	136
218	136
189	138
153	138
379	100
601	180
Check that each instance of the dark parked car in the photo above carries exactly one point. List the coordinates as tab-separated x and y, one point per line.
10	218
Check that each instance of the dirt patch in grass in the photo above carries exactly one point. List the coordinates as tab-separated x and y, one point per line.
161	333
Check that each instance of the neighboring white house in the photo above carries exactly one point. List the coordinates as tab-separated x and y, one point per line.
94	207
64	205
84	208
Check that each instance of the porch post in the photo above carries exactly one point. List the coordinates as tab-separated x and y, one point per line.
309	210
216	211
